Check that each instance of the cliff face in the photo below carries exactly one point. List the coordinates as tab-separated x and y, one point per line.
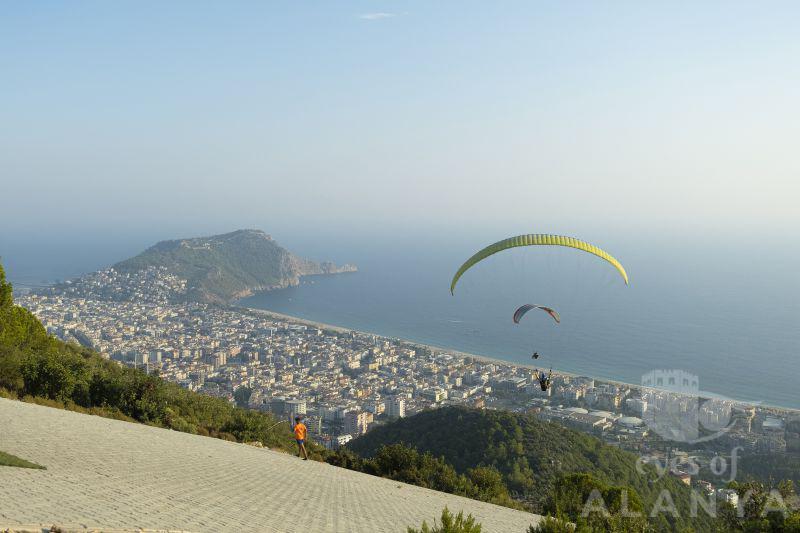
224	268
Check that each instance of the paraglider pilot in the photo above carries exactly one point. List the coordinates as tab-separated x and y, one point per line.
544	379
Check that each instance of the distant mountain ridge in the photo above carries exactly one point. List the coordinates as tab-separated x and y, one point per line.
224	268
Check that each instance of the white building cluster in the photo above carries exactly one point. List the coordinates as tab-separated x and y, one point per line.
345	382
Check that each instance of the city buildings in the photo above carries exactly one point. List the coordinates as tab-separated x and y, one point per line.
345	382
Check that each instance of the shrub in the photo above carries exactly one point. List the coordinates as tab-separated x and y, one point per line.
450	524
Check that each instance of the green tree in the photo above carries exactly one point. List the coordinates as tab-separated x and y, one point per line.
6	293
406	464
450	524
595	506
552	525
346	458
488	483
242	396
760	509
11	368
45	374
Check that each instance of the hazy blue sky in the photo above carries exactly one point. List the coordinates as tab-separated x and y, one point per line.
177	119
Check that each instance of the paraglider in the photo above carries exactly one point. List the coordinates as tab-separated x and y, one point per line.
520	312
536	239
544	379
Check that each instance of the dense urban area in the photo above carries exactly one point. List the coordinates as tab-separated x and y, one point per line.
345	382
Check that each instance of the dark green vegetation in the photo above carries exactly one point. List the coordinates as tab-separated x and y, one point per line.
593	506
6	459
402	463
39	368
450	524
766	467
763	509
223	268
535	460
583	485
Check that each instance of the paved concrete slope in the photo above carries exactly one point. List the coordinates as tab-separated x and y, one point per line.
109	474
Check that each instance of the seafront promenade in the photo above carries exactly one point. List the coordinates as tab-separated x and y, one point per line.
110	475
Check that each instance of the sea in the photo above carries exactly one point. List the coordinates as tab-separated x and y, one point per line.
724	310
726	313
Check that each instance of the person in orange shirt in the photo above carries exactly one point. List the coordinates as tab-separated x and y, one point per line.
300	436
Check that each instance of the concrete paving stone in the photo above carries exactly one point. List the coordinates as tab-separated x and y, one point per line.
109	475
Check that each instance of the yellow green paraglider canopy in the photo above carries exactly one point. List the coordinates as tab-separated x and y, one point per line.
536	239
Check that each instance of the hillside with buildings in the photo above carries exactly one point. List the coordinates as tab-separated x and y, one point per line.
215	269
97	455
348	383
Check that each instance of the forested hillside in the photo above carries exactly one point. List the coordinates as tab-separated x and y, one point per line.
533	457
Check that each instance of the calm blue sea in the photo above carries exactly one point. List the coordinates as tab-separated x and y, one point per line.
729	314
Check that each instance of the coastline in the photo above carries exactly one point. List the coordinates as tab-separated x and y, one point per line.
432	347
495	360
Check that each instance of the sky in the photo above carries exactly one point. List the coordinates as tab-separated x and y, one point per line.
170	119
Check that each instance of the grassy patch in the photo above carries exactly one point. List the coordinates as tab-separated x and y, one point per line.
6	459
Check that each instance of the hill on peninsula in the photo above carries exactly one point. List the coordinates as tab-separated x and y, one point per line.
224	268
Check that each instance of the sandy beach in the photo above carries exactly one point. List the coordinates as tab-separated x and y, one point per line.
484	358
